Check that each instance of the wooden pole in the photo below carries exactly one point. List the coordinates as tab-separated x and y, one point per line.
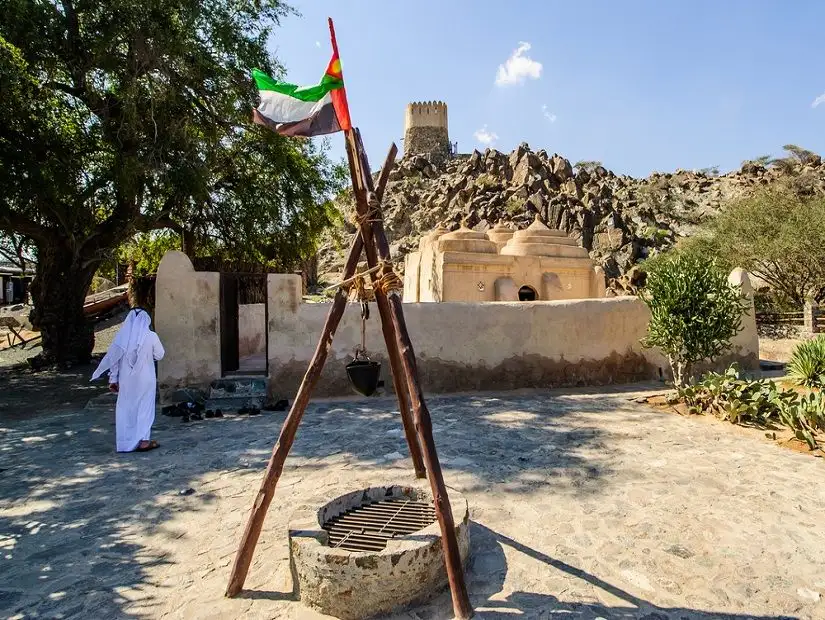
252	532
249	540
375	239
398	378
243	559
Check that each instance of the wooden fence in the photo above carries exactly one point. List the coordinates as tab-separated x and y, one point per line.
790	319
780	318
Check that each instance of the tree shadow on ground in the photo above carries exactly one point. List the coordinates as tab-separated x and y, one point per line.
486	575
73	513
497	438
26	393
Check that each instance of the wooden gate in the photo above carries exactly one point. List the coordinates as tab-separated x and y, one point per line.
230	360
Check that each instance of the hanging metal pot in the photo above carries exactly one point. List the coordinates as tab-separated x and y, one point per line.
363	373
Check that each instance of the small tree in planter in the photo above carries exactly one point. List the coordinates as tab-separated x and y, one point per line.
694	311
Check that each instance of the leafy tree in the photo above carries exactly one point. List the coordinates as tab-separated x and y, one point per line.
146	250
588	165
703	246
803	156
795	158
777	234
121	118
694	311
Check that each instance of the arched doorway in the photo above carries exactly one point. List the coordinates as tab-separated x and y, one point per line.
527	293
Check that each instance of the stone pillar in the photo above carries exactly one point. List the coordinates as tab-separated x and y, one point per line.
745	345
810	312
187	320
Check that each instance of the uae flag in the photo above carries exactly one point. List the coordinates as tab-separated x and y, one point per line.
304	111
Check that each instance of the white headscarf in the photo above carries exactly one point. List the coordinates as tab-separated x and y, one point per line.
127	342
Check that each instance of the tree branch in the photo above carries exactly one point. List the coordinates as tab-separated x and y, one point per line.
66	88
15	223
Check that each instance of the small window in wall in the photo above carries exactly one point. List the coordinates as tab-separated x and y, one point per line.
527	293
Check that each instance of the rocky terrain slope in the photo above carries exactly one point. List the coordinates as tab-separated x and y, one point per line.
618	218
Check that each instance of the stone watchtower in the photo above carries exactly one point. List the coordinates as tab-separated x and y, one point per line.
425	130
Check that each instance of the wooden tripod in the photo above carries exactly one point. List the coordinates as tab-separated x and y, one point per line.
372	239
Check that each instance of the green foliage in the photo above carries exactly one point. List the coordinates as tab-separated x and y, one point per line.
807	363
99	284
795	158
710	171
121	118
803	156
760	403
147	249
487	180
701	247
588	165
514	206
655	234
777	234
694	311
415	180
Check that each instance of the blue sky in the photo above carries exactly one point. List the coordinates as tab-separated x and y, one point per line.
640	85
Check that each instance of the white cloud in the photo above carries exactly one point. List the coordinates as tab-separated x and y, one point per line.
818	100
485	136
318	44
547	114
518	67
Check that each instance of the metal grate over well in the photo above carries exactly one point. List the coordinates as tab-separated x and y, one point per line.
370	526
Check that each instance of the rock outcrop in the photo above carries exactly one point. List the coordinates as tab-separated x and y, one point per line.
619	219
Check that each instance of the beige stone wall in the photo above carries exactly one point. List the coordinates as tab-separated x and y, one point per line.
412	276
476	279
459	345
434	275
425	129
488	346
187	319
426	114
251	329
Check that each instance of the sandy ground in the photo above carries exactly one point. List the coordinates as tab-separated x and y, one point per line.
585	504
777	349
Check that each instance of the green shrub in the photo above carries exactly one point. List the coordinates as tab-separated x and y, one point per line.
694	311
514	206
807	363
757	402
487	180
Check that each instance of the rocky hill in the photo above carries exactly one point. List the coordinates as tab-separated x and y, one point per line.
619	219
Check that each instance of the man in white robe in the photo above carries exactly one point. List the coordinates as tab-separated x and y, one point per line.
131	365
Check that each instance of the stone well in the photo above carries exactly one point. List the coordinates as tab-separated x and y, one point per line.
351	584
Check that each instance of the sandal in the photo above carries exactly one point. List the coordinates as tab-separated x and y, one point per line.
152	445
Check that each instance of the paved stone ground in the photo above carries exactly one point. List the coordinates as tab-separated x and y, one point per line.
584	504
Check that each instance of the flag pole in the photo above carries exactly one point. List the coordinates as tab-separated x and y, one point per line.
396	365
332	37
402	357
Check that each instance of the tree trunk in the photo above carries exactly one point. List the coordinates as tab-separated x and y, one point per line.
188	242
676	370
58	291
682	372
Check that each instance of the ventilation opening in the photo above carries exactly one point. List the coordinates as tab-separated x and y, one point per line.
369	527
527	293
